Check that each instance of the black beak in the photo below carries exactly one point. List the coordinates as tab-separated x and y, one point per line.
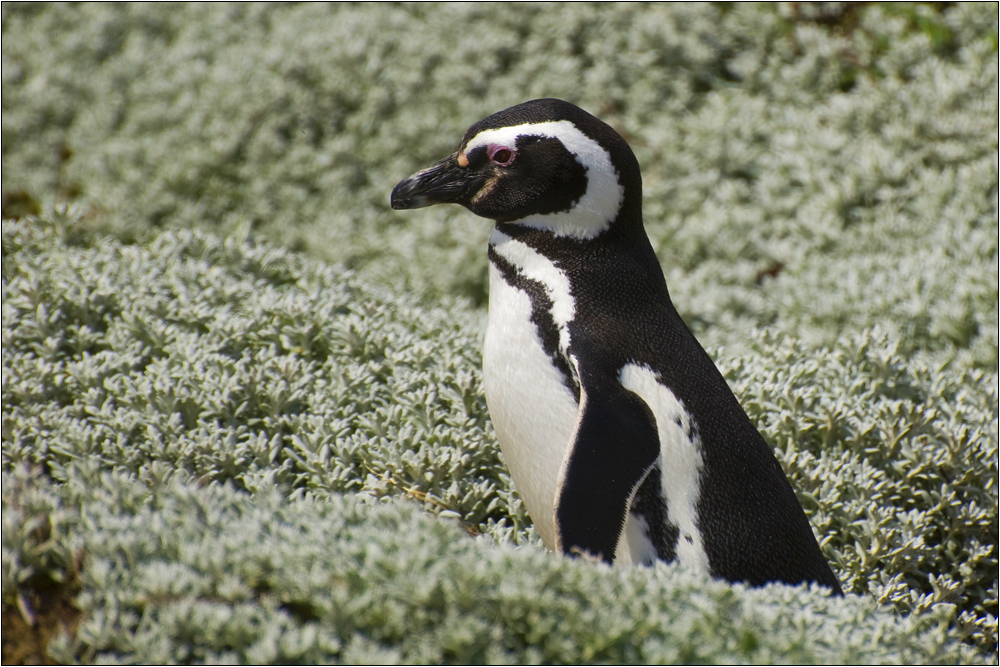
440	183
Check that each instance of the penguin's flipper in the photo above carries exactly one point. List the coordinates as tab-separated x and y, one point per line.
613	448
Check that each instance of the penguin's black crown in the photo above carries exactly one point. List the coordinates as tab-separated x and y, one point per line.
545	164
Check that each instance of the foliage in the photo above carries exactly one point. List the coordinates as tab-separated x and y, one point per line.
233	362
242	366
231	373
783	150
177	572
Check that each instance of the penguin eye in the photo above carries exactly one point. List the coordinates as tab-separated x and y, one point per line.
501	155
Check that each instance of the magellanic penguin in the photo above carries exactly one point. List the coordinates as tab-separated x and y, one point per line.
621	435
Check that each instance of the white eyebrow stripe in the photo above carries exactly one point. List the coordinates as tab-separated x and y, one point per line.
599	205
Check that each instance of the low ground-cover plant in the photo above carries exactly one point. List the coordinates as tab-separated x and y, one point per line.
784	150
820	184
244	367
172	571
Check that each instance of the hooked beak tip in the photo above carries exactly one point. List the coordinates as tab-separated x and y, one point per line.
403	197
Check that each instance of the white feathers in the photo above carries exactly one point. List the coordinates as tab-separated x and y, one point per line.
680	460
599	205
535	266
634	545
536	415
533	411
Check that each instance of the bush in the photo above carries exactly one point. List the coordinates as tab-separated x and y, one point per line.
198	361
821	187
783	151
177	572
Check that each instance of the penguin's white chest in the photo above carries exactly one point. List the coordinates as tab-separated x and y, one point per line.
528	370
533	411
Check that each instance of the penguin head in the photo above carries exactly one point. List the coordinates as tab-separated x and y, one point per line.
544	164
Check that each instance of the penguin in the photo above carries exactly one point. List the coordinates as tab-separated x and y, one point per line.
621	435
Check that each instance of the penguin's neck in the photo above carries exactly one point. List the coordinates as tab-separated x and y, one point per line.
624	234
611	270
564	228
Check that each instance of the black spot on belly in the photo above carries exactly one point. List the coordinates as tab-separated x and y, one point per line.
650	504
541	317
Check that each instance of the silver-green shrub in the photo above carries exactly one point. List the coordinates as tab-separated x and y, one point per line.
233	363
178	572
820	184
780	155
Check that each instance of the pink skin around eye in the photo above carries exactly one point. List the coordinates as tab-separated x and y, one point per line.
500	154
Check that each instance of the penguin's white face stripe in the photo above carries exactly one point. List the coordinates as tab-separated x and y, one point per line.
680	462
535	266
598	207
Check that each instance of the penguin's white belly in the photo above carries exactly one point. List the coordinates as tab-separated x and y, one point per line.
532	410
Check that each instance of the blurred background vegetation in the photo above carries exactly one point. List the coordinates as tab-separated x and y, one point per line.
204	284
847	150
